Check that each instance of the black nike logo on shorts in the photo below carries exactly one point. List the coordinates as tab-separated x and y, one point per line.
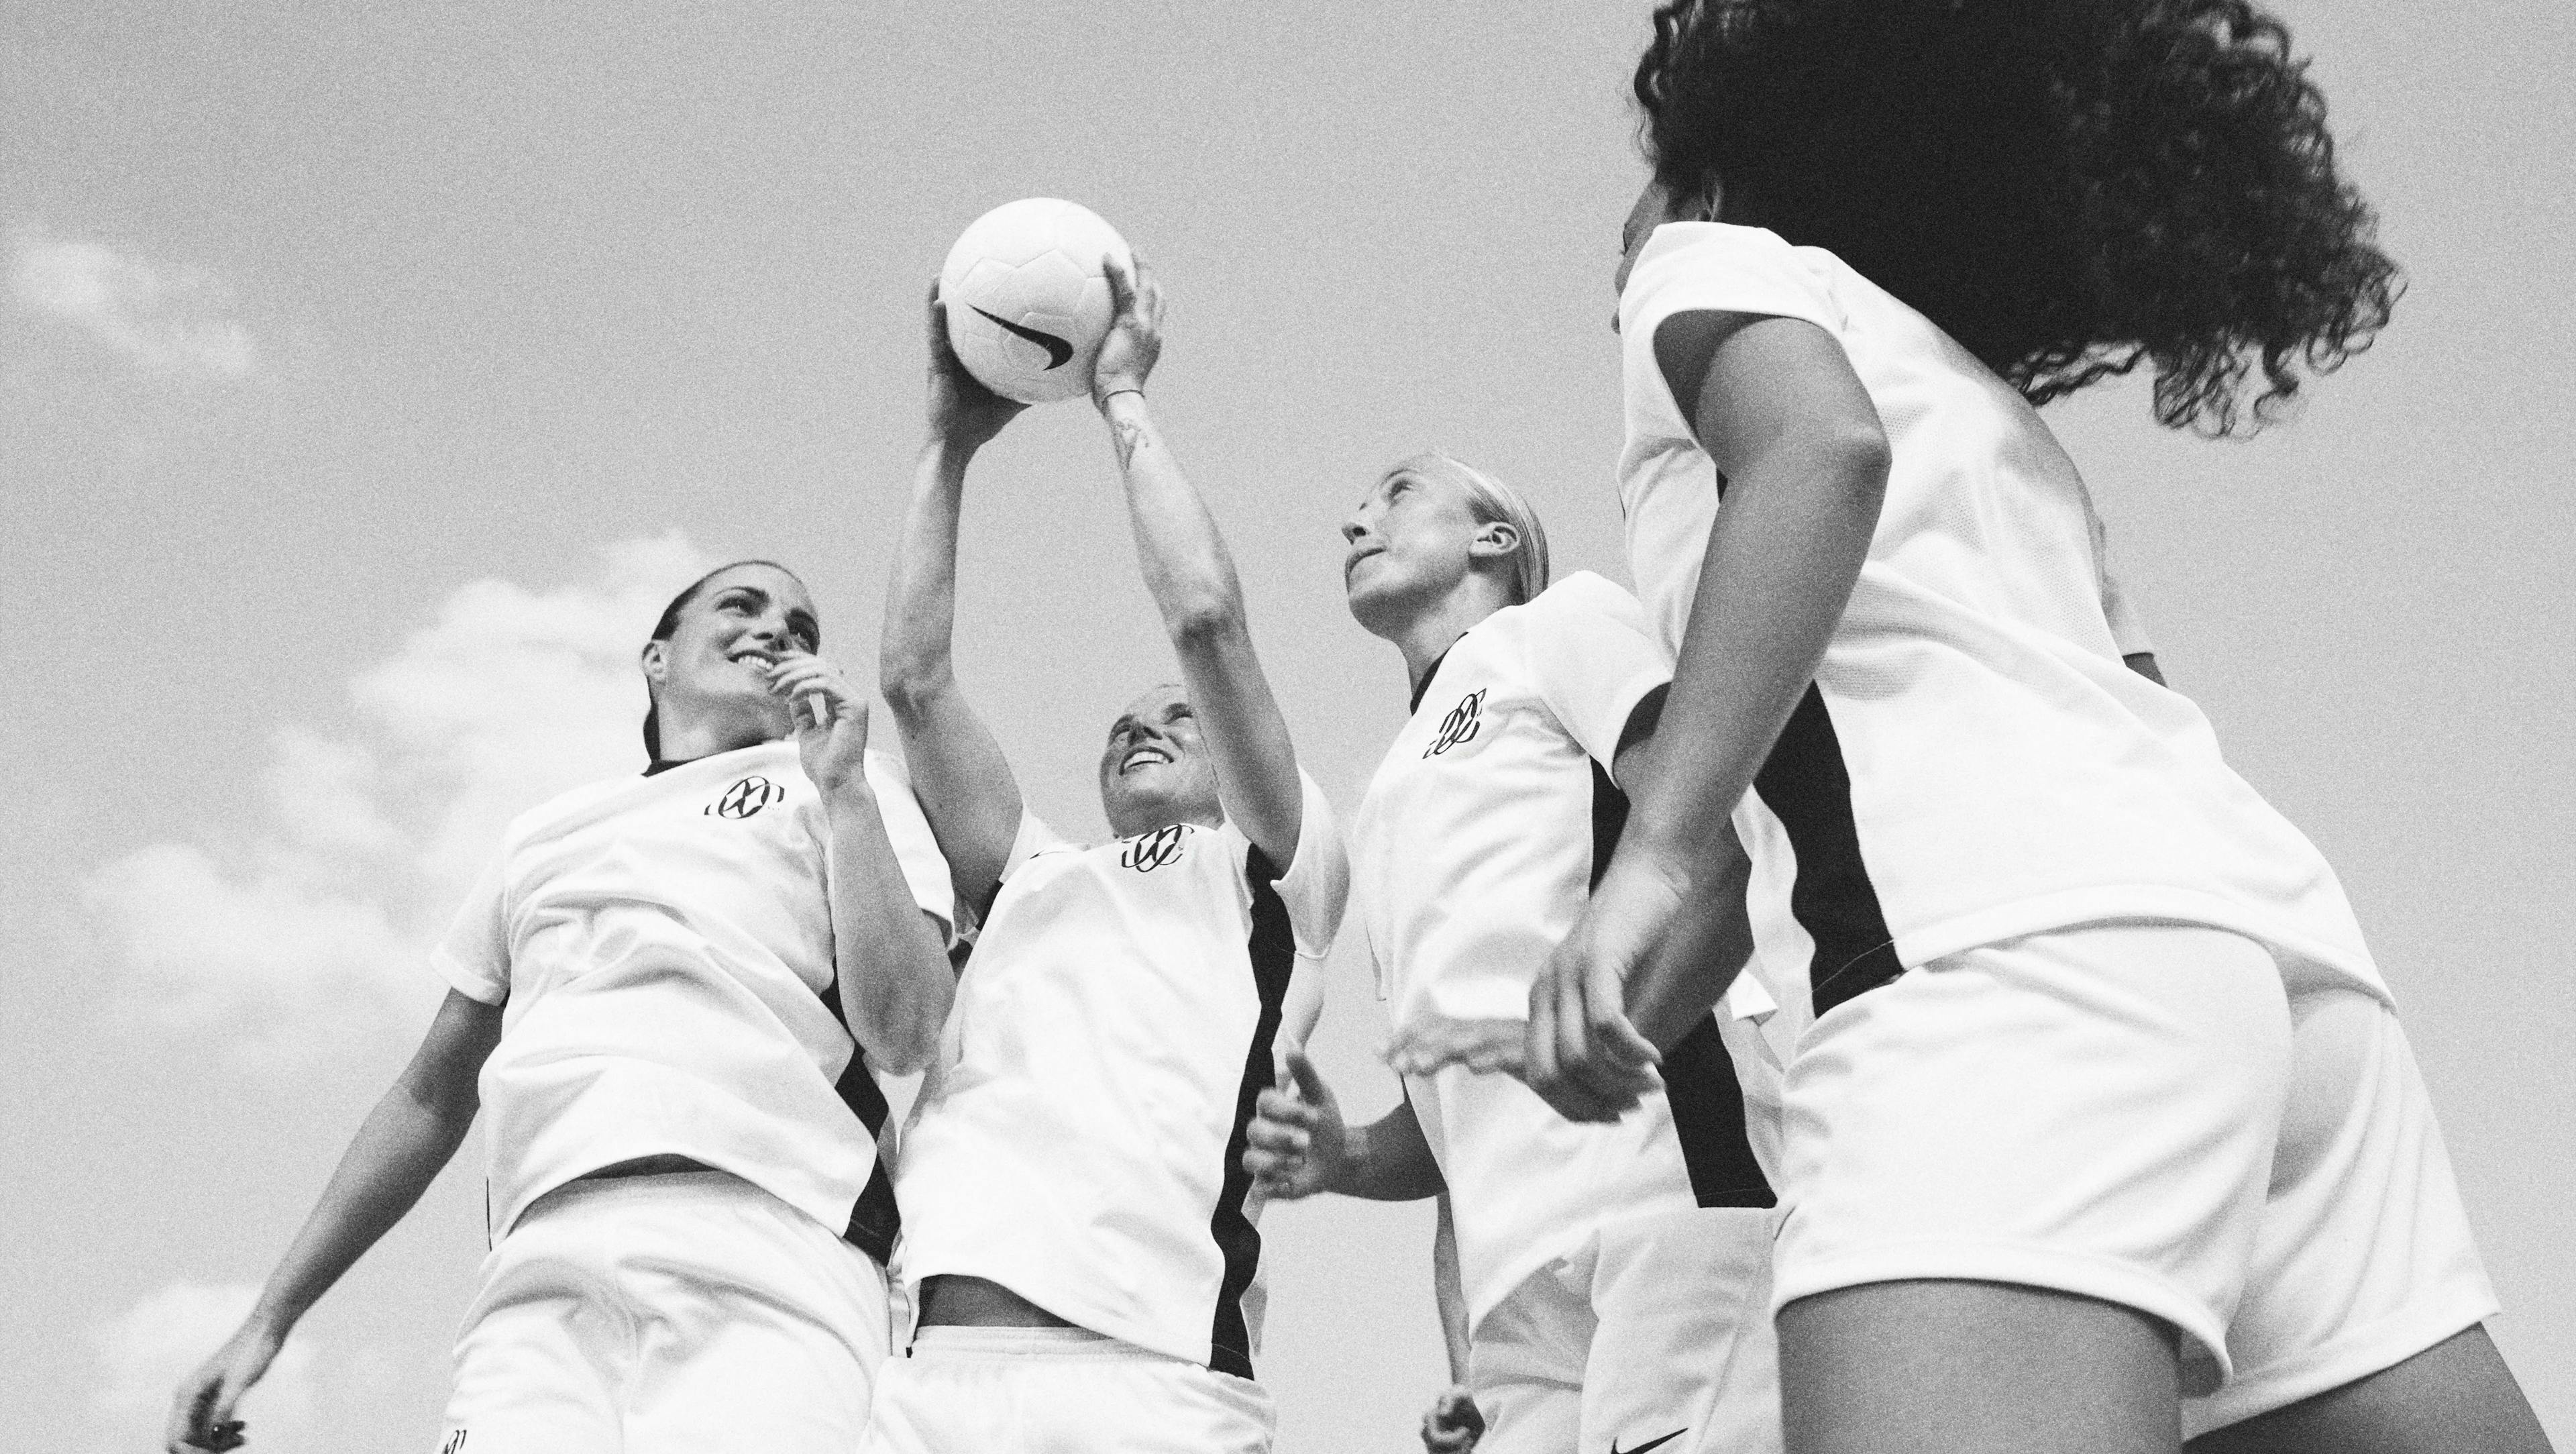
1057	349
1650	1443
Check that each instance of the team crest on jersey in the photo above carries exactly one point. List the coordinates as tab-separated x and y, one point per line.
1147	852
745	798
1460	725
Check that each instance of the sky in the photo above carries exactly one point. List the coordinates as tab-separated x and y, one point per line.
370	375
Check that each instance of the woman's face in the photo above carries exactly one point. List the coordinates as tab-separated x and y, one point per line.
1410	544
1155	769
717	659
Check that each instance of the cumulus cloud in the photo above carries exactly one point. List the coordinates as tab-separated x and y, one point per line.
172	320
145	1351
311	929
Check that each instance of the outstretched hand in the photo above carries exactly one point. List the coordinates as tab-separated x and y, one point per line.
1135	338
201	1413
962	410
831	719
1297	1144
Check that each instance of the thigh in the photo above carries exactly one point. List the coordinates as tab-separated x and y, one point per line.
757	1329
1974	1368
2363	1260
1525	1364
540	1357
2088	1111
2456	1397
1683	1359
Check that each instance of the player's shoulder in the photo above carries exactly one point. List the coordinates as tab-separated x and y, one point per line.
1719	267
1576	607
1587	594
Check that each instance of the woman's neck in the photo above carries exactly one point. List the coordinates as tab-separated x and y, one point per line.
1428	635
686	741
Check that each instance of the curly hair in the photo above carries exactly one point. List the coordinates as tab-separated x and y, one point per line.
2069	188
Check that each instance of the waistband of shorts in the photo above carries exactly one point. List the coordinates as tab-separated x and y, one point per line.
952	1340
709	1184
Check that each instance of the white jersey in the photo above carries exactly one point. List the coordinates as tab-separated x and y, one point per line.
663	947
1079	1139
1973	762
1477	846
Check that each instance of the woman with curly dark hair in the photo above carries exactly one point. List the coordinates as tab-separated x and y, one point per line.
2104	1134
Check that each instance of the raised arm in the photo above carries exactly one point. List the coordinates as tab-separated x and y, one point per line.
1193	584
958	771
890	967
397	1152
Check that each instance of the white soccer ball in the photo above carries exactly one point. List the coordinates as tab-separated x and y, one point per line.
1028	299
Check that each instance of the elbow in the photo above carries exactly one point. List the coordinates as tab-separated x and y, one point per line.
907	1053
1205	619
1857	455
908	680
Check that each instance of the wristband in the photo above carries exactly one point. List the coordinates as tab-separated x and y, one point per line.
1114	393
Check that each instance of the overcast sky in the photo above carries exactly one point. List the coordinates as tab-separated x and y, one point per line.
369	376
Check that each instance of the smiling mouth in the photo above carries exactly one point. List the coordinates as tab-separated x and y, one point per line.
760	659
1143	755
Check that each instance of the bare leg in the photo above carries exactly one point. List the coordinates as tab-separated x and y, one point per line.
2456	1397
1936	1367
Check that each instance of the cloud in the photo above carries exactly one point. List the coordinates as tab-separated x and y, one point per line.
311	929
172	320
145	1351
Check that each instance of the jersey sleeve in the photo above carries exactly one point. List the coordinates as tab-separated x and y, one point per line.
1588	656
1317	885
474	957
916	851
1709	267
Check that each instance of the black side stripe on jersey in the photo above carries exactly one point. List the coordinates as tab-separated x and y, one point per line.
874	1219
1699	1076
1806	785
1273	948
1708	1119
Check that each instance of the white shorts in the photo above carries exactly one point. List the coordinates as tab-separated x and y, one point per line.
634	1315
1656	1333
1059	1391
2146	1114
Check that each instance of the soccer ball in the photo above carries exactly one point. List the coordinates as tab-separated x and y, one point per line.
1028	301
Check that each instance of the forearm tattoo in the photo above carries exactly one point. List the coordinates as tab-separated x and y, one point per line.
1129	435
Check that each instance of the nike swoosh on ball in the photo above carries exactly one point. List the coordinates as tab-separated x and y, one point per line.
1057	349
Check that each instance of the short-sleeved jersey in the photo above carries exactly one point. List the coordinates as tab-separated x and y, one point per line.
1079	1139
1483	832
662	946
1973	762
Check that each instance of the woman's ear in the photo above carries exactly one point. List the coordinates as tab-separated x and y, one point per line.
655	658
1494	538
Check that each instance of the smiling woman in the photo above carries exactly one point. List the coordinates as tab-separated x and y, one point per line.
1075	1208
739	633
671	992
